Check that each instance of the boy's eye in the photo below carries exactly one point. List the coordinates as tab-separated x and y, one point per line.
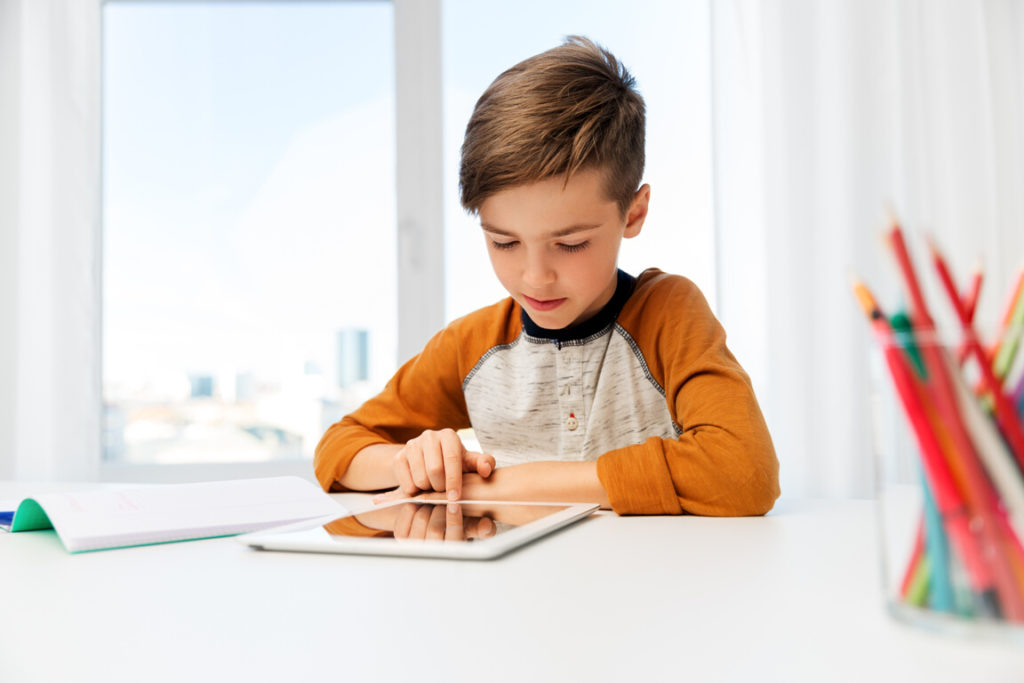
503	245
573	247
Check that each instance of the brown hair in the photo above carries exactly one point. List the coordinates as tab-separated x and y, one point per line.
569	108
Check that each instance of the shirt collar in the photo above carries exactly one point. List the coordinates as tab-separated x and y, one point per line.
591	326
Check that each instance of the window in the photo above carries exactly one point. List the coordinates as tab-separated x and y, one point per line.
250	289
249	239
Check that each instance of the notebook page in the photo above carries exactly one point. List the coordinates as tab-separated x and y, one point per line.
155	514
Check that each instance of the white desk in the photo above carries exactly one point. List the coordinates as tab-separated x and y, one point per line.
790	597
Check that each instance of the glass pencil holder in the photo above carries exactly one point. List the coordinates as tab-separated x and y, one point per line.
949	487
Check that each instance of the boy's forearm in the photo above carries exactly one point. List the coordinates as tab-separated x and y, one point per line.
371	469
566	482
544	481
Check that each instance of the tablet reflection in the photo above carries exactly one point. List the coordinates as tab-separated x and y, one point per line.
437	521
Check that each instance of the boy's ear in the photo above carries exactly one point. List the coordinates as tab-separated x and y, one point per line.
637	211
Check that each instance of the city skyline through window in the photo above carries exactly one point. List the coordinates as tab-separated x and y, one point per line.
248	225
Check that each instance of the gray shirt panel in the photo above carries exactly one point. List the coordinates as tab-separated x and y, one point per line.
535	399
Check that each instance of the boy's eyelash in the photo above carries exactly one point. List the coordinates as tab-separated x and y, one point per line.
564	247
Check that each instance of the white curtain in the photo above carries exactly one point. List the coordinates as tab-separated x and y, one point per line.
826	114
50	407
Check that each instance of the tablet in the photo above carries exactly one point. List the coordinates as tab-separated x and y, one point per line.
467	530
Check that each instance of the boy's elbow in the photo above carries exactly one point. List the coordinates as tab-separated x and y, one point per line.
757	495
741	501
750	492
759	502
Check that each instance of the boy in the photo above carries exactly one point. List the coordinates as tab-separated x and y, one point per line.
587	384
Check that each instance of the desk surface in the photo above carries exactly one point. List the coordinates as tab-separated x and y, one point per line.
790	597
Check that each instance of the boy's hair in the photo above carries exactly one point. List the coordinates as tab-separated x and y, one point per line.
570	108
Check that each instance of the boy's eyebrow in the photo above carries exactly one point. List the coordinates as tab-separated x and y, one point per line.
557	233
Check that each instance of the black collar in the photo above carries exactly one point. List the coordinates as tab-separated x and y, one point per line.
602	319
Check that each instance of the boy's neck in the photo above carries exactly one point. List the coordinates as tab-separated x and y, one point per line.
592	325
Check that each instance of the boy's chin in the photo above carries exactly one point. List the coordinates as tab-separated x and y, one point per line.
549	321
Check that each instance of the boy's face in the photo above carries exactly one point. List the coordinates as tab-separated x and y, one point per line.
555	249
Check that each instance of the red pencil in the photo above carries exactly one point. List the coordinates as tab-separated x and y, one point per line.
970	302
971	296
1006	417
918	308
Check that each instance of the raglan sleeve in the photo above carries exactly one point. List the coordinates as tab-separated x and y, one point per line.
425	393
723	462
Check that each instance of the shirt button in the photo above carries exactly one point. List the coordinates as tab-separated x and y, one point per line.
572	423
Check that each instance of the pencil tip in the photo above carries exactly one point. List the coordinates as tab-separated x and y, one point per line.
890	212
865	299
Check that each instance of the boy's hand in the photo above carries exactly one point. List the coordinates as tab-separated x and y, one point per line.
435	461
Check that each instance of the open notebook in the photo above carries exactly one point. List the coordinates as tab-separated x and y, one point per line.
103	519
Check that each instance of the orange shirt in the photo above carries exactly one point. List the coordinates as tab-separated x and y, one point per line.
647	387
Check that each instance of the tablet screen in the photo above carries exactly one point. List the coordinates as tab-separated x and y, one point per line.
413	521
424	527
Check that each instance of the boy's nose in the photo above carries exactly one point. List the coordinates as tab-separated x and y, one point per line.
538	274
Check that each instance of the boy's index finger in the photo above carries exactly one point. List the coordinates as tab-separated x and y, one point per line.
452	454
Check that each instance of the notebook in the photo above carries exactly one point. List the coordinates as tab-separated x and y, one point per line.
116	518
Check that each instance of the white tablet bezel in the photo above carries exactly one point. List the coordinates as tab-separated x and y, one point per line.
283	538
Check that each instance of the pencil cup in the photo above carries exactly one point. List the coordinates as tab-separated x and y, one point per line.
949	488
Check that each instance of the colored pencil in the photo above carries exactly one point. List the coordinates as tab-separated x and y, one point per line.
973	293
983	520
979	497
1014	382
918	308
1018	395
970	302
999	463
973	479
1007	480
940	593
1009	422
1015	295
1011	330
948	500
917	591
915	559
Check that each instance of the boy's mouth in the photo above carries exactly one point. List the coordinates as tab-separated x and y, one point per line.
544	305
